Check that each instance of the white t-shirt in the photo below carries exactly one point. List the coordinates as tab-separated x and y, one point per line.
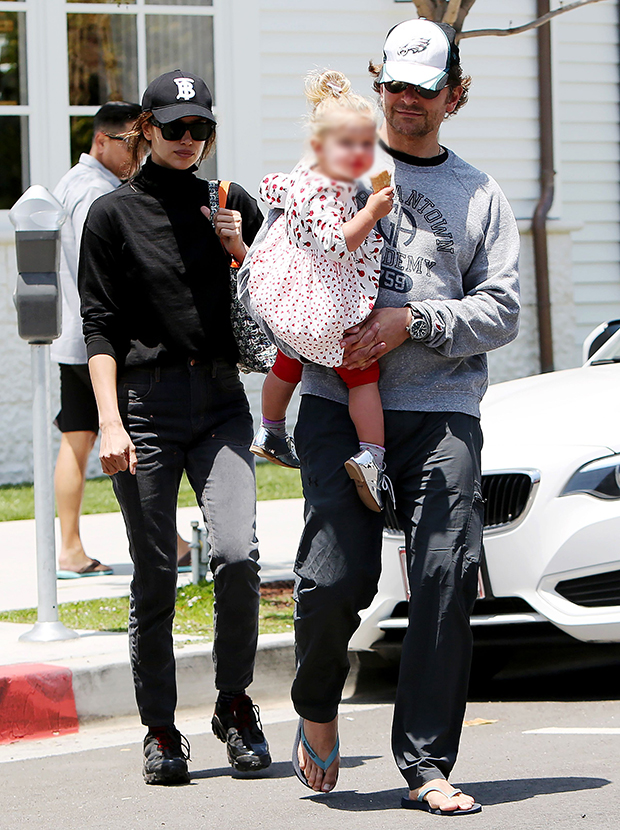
77	190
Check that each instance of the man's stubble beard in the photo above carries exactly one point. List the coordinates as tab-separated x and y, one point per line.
418	128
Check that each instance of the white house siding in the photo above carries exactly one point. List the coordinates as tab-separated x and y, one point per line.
589	148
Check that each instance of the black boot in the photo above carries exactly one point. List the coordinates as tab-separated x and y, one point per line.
166	753
237	723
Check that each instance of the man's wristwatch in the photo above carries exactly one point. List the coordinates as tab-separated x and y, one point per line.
419	328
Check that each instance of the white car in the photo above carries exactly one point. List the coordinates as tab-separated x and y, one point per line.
551	483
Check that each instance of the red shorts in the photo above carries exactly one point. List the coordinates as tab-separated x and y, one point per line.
289	370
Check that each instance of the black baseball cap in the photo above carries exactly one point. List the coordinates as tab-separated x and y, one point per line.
178	94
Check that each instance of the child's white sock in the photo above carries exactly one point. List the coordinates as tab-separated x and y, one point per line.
375	450
277	428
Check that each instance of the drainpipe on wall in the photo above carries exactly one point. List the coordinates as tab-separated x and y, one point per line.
547	175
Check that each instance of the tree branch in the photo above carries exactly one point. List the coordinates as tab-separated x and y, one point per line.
533	24
466	6
426	8
452	12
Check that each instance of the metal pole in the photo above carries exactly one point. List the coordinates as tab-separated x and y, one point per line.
196	547
48	627
547	190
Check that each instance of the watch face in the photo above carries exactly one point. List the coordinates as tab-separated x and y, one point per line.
419	329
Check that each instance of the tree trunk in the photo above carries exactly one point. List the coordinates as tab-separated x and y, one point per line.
436	10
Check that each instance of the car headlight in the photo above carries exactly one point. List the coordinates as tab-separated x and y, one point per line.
600	478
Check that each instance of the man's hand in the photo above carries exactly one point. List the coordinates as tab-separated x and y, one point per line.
228	228
381	332
117	452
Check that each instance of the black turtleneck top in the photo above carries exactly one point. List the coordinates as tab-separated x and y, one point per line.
153	276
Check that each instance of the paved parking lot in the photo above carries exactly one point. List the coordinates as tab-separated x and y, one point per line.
543	764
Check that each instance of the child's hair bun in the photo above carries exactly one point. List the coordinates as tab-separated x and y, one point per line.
322	85
332	99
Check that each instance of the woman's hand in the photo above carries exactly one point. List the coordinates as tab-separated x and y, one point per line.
117	452
228	228
382	331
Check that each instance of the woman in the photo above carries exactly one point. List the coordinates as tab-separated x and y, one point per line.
154	283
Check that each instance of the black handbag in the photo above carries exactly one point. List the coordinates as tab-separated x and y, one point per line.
256	352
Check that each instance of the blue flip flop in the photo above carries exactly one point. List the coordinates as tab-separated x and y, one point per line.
94	569
420	804
324	765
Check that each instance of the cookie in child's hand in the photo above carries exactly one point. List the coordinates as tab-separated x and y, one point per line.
380	181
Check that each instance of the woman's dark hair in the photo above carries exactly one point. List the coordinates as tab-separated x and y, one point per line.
456	78
139	147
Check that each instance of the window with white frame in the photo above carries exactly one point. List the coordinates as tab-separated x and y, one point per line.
111	50
14	151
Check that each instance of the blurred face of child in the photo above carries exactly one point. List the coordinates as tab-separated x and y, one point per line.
346	151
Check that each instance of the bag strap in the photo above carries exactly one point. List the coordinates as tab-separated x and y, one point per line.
214	202
223	193
218	198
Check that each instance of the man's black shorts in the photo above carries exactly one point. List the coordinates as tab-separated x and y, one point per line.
78	407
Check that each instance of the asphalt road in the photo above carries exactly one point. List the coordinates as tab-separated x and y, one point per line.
534	780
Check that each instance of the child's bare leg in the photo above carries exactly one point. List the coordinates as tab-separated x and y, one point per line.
366	413
276	397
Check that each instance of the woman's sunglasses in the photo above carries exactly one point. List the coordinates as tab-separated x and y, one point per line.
396	87
175	130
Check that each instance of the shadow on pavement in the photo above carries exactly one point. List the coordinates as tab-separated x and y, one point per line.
555	667
279	769
487	792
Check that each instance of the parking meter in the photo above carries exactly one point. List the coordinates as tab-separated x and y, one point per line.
38	217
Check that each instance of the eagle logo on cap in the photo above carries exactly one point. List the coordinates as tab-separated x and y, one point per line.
185	87
414	46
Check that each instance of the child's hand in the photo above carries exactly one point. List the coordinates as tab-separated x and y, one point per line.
381	203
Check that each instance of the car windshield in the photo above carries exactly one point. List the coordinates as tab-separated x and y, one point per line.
610	352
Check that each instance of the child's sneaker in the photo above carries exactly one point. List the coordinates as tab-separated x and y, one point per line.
279	451
368	479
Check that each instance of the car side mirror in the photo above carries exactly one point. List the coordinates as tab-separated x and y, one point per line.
597	338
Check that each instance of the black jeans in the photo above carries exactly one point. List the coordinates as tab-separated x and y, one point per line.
433	460
193	418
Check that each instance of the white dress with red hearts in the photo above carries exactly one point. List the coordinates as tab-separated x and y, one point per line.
304	282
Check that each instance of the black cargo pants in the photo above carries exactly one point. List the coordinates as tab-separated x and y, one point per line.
433	460
193	417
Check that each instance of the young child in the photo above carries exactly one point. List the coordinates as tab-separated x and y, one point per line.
317	274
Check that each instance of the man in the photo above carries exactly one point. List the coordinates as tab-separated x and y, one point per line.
448	295
97	172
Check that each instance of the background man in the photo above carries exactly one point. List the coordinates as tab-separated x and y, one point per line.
449	294
97	172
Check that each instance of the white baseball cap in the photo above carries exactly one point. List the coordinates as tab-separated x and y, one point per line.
419	52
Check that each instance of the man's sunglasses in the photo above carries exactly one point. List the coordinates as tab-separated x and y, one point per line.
175	130
396	87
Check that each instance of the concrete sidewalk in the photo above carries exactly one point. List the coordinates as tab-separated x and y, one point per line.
279	526
101	676
97	663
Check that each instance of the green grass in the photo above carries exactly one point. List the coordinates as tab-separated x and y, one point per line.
194	612
17	501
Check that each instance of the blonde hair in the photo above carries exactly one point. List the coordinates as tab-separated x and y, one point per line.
329	92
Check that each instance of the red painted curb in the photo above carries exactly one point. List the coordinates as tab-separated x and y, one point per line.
36	701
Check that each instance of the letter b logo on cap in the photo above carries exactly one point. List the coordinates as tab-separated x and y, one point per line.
185	87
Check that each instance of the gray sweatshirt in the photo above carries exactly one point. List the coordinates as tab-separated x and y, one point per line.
452	248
